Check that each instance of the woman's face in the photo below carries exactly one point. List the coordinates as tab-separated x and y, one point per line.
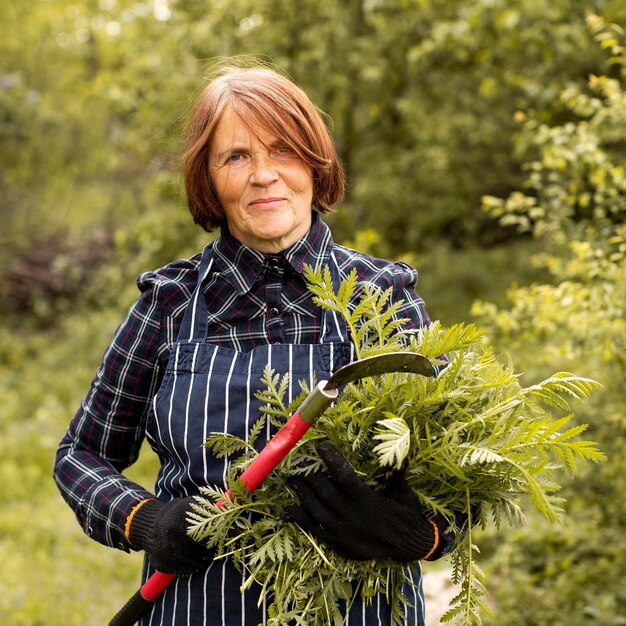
265	189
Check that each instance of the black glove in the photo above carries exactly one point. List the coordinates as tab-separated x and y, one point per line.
161	530
356	521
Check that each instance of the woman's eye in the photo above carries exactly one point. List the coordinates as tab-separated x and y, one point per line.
283	150
233	158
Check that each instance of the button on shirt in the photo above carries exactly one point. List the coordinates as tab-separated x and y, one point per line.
252	299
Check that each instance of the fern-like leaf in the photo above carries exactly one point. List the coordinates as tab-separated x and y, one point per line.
395	438
554	391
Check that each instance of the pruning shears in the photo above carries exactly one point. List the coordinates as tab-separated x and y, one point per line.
312	407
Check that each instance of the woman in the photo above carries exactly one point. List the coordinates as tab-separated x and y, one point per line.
260	165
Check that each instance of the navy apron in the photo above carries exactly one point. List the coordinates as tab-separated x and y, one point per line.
205	389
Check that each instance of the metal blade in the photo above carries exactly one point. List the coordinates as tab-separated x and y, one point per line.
380	364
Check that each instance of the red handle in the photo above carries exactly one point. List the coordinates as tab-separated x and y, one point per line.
274	452
156	585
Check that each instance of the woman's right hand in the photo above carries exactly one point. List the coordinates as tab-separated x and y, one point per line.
160	528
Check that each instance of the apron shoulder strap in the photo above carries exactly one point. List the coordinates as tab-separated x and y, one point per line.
194	324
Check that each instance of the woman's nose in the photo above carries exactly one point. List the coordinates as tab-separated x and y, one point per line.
263	171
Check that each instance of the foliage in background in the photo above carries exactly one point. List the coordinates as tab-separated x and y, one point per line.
93	94
574	200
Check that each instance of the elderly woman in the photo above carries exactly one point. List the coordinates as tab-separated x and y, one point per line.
187	360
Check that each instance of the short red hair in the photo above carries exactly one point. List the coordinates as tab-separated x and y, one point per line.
261	97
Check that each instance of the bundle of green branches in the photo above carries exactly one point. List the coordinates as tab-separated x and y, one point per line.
472	435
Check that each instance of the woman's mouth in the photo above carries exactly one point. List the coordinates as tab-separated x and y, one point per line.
267	203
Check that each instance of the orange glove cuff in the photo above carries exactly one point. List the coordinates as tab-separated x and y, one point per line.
129	519
432	550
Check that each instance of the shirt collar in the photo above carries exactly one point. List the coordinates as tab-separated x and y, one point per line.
241	266
313	249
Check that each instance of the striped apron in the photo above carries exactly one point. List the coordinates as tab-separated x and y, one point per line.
205	389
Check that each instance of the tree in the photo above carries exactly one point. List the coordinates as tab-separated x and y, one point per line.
422	95
575	201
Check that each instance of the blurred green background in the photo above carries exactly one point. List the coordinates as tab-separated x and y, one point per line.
484	142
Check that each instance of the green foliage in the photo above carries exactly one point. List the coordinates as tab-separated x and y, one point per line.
91	136
470	435
574	204
373	322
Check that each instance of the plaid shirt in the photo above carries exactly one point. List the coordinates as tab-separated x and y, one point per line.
252	299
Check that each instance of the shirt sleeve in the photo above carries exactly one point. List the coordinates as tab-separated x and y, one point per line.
412	308
105	435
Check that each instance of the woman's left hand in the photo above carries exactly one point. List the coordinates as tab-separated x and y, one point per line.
357	521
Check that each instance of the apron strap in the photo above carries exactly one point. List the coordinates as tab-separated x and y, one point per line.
194	324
